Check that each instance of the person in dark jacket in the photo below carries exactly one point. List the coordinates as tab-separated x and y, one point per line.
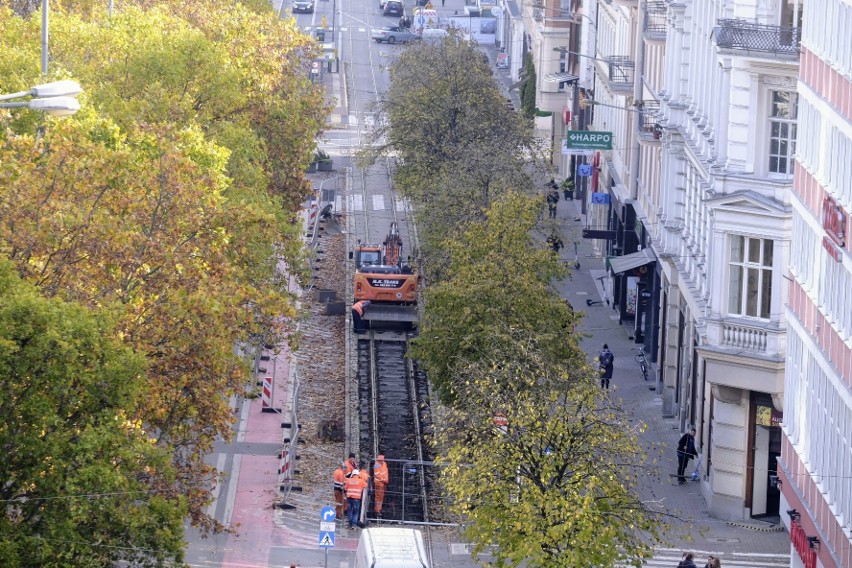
605	360
685	452
688	561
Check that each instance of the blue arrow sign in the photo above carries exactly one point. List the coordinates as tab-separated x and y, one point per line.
326	540
327	514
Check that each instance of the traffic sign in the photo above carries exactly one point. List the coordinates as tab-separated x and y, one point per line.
328	514
326	540
315	68
327	527
589	140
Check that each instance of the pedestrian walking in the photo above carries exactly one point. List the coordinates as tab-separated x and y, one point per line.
687	561
358	310
552	199
354	492
605	360
380	484
442	3
685	452
713	562
351	464
339	490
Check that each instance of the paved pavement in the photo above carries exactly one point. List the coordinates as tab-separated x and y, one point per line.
753	544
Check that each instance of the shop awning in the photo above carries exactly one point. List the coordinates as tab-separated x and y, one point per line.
630	261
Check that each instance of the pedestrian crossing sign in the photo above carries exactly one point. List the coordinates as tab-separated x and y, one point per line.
326	539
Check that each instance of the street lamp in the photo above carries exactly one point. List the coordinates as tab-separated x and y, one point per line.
56	99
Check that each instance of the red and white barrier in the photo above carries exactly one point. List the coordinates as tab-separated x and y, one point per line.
285	471
266	395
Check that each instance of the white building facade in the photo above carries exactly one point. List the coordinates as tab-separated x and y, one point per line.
815	467
728	121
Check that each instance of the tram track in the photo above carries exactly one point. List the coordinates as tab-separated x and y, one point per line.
393	394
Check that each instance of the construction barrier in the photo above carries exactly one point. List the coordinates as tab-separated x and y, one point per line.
266	395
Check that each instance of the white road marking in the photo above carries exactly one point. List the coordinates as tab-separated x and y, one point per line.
362	30
356	203
378	203
338	203
399	204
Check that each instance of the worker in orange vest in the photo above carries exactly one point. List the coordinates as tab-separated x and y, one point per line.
380	483
339	489
351	464
354	491
358	309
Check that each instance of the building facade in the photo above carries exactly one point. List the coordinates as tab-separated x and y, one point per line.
815	465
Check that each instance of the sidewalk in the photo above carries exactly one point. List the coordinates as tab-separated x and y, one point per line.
601	325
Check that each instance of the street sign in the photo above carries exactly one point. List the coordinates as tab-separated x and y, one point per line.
589	140
327	527
326	540
601	198
328	514
584	170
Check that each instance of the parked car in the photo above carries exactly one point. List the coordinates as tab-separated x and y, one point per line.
434	35
394	35
393	8
382	3
306	6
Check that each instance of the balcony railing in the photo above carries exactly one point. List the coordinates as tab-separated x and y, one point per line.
655	20
746	36
621	69
649	126
744	337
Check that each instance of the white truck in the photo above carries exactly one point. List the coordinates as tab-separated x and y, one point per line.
388	547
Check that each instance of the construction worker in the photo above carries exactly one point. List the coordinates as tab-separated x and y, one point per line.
358	309
351	464
354	491
380	483
340	489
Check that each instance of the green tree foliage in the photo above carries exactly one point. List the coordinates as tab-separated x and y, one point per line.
461	146
75	464
556	487
528	87
496	277
168	201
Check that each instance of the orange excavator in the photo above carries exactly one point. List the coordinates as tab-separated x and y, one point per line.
382	278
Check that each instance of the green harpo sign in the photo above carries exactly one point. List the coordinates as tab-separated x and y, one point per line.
589	140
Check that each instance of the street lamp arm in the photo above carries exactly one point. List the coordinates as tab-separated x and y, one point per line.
569	52
17	95
596	103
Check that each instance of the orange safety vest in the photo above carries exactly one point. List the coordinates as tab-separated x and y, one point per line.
359	307
365	476
354	487
380	472
339	479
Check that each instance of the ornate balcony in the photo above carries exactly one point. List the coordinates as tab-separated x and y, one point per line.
620	75
777	42
655	20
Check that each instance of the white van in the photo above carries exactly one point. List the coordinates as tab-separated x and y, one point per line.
434	35
388	547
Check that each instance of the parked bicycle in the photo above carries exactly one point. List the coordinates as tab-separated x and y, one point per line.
643	363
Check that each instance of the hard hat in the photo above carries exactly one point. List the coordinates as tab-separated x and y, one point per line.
355	472
381	457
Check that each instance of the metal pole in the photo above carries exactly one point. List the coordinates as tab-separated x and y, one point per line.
109	8
44	38
326	558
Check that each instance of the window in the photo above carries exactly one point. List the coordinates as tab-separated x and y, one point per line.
782	131
750	277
